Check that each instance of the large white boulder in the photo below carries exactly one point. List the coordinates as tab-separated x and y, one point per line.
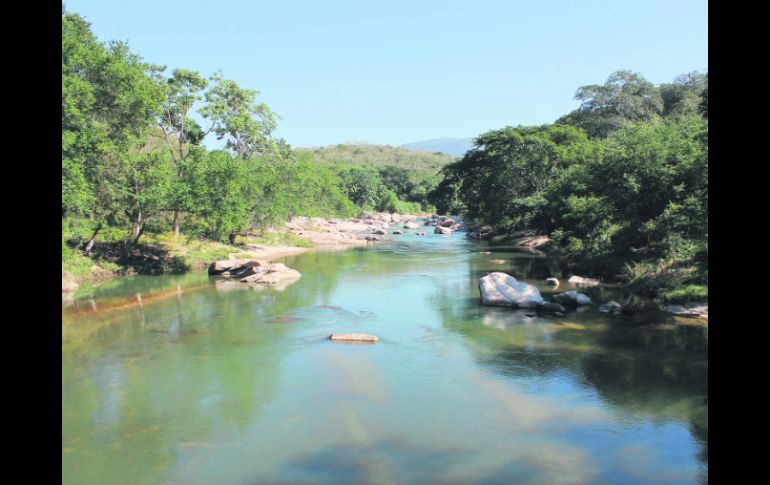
500	289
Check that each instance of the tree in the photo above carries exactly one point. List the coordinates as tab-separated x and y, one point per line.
182	90
109	98
626	97
238	118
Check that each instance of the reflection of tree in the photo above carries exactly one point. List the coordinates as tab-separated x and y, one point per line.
644	365
170	375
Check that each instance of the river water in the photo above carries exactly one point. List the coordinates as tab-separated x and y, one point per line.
184	380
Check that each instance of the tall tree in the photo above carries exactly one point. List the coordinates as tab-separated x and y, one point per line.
237	117
182	90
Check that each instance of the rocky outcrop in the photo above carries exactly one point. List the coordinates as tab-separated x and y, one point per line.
572	298
532	242
254	271
483	232
582	281
500	289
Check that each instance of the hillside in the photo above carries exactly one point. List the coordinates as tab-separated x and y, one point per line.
455	147
376	156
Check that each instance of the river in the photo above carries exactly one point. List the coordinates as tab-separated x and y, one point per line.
183	380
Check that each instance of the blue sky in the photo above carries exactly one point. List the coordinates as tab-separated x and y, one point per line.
393	72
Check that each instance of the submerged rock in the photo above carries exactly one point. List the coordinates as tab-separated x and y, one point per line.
572	298
354	337
610	307
551	307
420	234
500	289
397	232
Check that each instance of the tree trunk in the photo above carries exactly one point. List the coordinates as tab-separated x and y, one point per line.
232	238
176	224
90	244
138	234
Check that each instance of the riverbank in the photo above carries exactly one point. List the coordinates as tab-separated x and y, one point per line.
165	254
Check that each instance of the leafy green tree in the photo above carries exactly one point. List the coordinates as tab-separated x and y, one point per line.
626	97
109	98
237	117
180	132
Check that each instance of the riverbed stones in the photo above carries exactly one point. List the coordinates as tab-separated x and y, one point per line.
611	307
501	289
353	337
582	281
572	298
442	230
372	238
420	233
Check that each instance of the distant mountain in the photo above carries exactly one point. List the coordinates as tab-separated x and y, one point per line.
455	147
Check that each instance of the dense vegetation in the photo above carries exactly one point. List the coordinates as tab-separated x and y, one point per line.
620	184
382	174
134	167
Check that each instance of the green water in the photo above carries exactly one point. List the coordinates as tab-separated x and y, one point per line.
205	383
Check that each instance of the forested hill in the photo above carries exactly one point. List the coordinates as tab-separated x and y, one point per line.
379	156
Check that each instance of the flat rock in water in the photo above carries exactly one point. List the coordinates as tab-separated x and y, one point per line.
354	337
692	310
581	281
500	289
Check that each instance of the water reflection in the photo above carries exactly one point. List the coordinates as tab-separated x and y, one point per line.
198	380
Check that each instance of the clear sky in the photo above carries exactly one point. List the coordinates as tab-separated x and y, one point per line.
393	72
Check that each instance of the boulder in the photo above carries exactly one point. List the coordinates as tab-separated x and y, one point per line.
552	282
381	232
610	307
227	266
581	281
442	230
397	232
448	222
500	289
372	238
354	337
271	274
551	307
411	225
572	298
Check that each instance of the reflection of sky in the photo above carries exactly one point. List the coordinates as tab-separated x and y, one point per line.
262	397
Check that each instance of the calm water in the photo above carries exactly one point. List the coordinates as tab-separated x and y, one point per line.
209	383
